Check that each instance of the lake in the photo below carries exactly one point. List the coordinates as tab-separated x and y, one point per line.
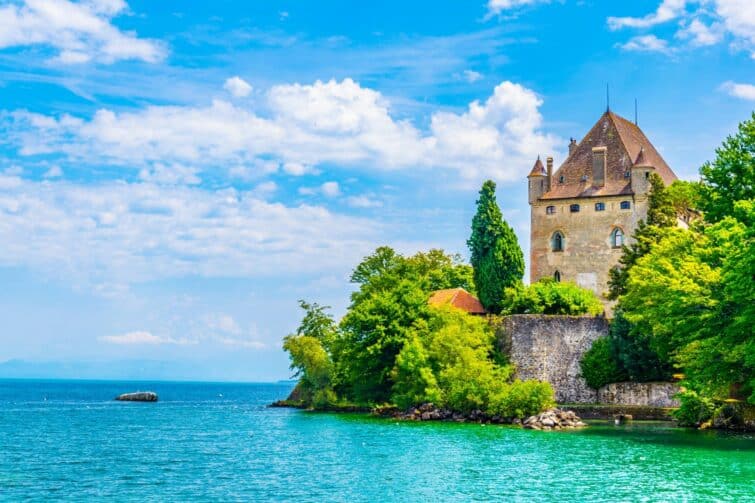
219	441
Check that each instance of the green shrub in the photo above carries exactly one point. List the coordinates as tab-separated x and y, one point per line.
599	366
550	297
522	399
631	348
694	409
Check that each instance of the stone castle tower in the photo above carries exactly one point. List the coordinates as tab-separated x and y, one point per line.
583	213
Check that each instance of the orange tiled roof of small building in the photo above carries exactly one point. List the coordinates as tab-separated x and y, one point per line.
623	141
457	297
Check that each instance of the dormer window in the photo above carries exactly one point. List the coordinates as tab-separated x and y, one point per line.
625	205
627	174
550	210
574	208
561	179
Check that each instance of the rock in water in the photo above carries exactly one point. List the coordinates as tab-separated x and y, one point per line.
139	396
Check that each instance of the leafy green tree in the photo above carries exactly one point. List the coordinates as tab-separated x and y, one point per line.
731	176
391	300
661	216
550	297
496	257
414	380
598	365
309	358
694	290
685	198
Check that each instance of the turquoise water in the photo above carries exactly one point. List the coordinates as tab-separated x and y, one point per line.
69	440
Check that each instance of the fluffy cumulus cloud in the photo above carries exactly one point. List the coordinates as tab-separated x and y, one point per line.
237	87
298	128
738	90
78	31
700	22
119	233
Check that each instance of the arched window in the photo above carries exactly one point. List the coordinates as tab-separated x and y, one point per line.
550	210
617	238
557	276
557	242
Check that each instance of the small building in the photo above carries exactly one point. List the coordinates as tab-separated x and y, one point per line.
584	212
458	298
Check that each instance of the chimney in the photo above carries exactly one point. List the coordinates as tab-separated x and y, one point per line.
572	145
549	170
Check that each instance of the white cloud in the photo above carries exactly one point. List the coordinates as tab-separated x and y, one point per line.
122	233
702	22
141	338
53	172
330	189
79	31
498	6
472	76
363	202
737	90
338	123
646	43
222	323
237	87
667	11
700	34
173	174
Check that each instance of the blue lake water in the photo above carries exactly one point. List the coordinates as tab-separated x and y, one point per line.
67	440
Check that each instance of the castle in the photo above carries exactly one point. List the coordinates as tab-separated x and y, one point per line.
582	214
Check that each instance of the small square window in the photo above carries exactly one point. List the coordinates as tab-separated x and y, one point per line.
627	174
625	205
574	208
600	206
561	179
550	210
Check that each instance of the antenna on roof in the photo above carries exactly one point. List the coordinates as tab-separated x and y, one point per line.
635	112
608	99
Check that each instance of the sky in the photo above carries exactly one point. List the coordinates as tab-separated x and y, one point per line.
175	175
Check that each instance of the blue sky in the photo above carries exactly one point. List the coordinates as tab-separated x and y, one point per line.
175	175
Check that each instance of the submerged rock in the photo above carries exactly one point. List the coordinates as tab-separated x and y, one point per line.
553	419
139	396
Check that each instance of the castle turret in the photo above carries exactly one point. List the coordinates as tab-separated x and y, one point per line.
641	170
537	181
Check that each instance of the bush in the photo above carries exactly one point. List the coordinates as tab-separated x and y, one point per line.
599	366
694	409
522	399
550	297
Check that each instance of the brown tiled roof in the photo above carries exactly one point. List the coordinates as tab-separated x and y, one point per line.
623	141
538	169
457	297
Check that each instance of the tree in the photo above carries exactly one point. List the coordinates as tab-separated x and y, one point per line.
661	216
309	358
496	257
550	297
731	176
598	367
685	198
391	301
633	351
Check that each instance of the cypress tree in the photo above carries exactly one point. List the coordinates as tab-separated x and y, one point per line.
497	260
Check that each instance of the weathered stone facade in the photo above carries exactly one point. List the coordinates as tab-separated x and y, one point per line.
646	394
549	348
591	205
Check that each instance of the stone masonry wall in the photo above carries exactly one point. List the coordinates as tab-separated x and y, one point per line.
648	394
549	348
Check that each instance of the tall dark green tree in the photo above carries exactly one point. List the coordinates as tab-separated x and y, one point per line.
496	257
731	176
